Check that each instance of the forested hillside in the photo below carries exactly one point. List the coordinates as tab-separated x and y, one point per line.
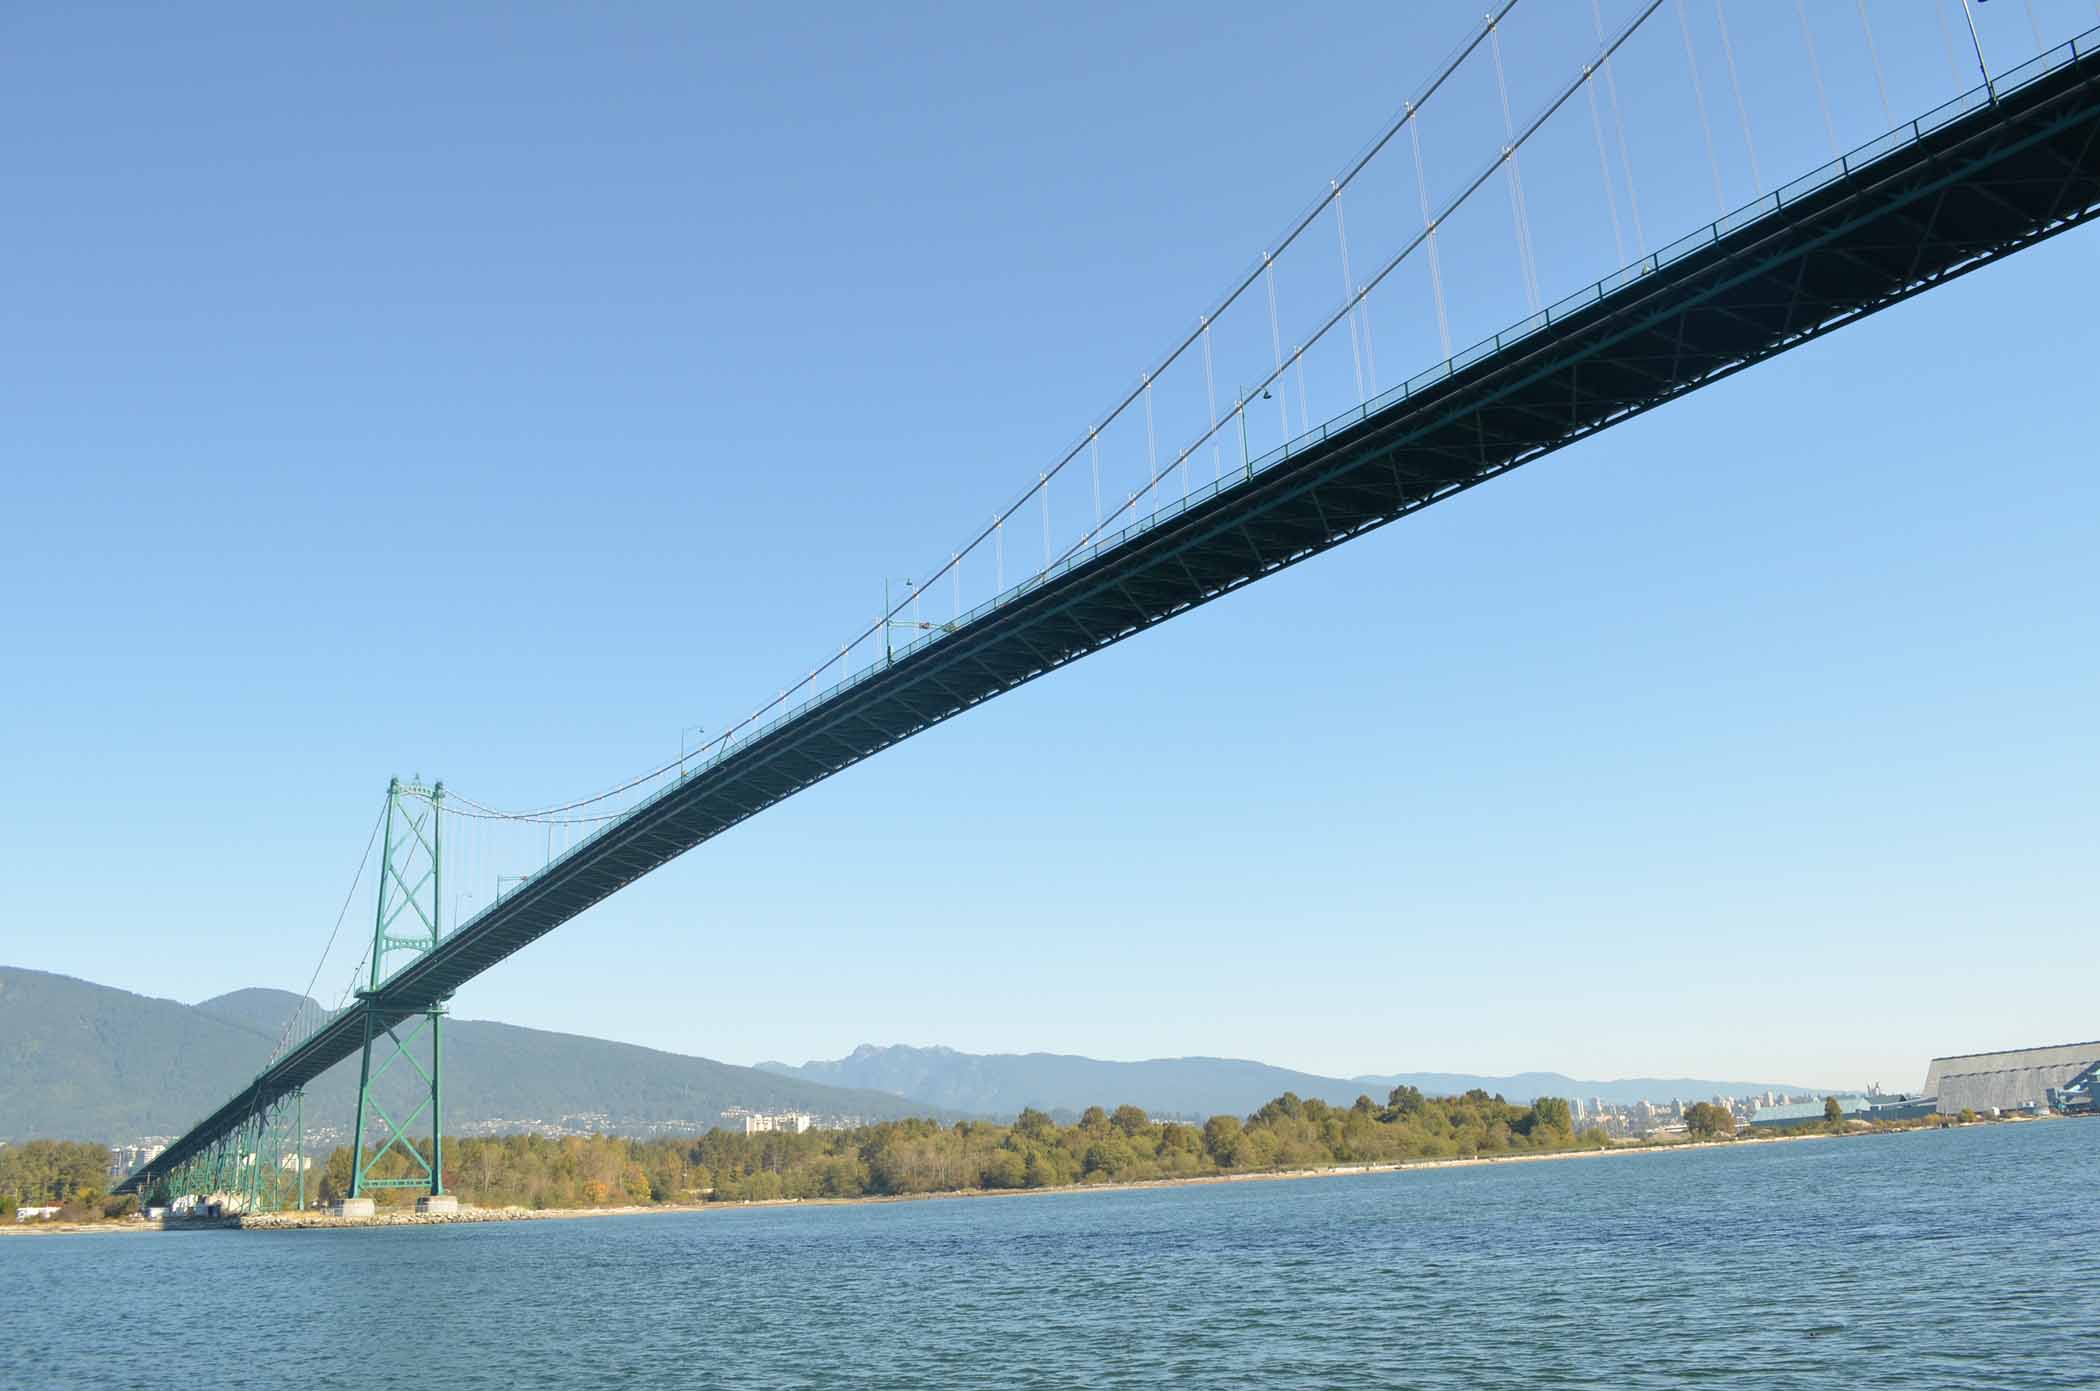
84	1061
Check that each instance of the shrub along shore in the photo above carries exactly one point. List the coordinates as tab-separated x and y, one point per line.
529	1174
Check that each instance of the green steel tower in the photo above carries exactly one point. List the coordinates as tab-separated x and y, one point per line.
411	883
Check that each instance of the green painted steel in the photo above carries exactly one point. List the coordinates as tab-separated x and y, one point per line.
406	919
257	1166
1962	187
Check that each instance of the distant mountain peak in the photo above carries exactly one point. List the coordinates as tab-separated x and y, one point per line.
257	1009
119	1067
882	1050
1002	1084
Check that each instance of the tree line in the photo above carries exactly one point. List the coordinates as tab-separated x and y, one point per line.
898	1158
68	1174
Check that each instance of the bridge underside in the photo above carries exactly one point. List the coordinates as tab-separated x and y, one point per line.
1953	199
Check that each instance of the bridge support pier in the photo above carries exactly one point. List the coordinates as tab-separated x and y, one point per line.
411	888
425	1171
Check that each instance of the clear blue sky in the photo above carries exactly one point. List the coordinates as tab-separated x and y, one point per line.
492	393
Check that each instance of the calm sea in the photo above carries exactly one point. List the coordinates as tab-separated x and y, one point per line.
1959	1259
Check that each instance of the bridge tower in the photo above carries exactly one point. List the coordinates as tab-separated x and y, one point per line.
406	921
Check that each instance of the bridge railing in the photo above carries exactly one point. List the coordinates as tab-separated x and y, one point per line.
1692	243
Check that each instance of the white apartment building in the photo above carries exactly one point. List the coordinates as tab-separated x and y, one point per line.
789	1122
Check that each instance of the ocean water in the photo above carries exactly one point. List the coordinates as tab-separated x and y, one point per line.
1962	1258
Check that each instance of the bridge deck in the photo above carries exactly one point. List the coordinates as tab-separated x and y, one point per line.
1945	196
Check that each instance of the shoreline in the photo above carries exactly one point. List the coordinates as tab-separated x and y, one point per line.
320	1220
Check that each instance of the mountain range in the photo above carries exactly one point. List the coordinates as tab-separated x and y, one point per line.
1000	1084
85	1061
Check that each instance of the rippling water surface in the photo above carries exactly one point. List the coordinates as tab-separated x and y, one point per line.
1954	1259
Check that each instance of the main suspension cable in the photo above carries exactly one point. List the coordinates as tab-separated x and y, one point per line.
993	532
1401	255
284	1036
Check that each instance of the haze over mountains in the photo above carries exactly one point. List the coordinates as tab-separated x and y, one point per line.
1000	1084
85	1061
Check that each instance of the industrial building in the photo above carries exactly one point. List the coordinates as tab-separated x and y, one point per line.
2019	1080
1804	1112
1874	1106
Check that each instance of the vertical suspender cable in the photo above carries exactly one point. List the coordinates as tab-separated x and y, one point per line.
1151	449
1356	353
955	586
1370	353
1436	270
1939	12
1093	439
1283	419
1976	42
1210	394
1691	61
1043	482
1808	41
343	912
1183	346
1611	200
1516	179
1757	182
1363	303
998	555
1304	407
1866	25
1611	89
2034	24
1646	9
728	737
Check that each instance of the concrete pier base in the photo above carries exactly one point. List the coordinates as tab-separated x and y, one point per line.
355	1207
438	1202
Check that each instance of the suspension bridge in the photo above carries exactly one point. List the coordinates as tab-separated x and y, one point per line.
2008	161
